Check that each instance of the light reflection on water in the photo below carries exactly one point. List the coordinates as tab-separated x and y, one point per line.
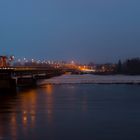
65	112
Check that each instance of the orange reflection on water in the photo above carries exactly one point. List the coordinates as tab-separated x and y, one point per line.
49	102
28	105
24	121
32	118
24	118
49	88
29	99
14	126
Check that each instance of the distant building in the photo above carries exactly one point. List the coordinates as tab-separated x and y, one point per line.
3	61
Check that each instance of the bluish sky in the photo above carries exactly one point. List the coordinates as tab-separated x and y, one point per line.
81	30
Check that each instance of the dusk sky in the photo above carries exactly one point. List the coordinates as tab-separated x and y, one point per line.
80	30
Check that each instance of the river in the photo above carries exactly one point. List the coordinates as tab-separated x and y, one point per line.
71	112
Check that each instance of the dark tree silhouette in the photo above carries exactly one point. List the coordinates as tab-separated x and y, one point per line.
132	66
119	67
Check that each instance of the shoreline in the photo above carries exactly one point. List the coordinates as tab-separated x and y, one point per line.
91	79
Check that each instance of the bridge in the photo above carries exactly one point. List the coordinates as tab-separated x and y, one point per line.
28	74
12	77
23	76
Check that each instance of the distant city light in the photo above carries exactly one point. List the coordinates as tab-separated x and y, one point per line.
72	62
32	60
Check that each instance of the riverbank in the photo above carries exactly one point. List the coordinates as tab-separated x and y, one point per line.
92	79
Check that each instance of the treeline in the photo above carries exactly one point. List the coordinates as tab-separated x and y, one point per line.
130	66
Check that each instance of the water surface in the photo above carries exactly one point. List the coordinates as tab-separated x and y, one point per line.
72	112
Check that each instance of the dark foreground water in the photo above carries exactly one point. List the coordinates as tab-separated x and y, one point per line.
72	112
